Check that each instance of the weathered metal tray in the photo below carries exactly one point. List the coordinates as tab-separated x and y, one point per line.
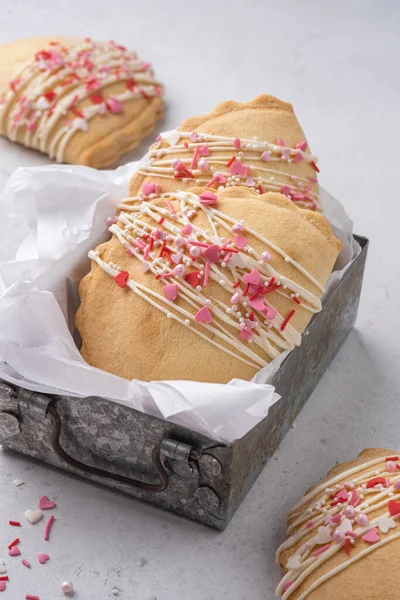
165	464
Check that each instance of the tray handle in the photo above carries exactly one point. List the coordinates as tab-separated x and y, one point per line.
155	488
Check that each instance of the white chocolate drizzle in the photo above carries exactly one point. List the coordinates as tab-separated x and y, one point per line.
337	512
232	327
231	168
51	88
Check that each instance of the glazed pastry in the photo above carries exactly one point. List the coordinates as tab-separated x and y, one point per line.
257	144
79	101
203	286
344	535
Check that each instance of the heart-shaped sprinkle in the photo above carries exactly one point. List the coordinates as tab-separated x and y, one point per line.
14	551
396	484
204	151
371	536
346	525
323	536
266	156
246	333
33	516
386	523
194	136
280	141
302	146
238	169
150	187
193	278
285	189
235	299
269	311
46	504
3	586
187	229
258	304
211	254
237	228
121	279
145	267
176	258
343	495
240	242
170	291
173	137
208	198
219	178
43	558
3	567
298	157
253	277
394	508
236	143
114	105
250	182
203	315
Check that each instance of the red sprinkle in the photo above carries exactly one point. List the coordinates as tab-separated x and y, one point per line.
271	281
31	597
162	250
14	543
235	285
151	243
259	188
246	289
286	321
348	545
4	578
48	527
49	96
258	292
161	221
231	161
314	166
392	458
295	299
14	523
251	316
77	112
375	481
269	289
97	99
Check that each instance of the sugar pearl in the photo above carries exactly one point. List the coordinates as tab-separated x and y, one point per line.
338	536
67	587
349	512
362	520
391	466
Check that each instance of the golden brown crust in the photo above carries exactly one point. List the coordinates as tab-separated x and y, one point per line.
108	135
138	341
265	117
371	577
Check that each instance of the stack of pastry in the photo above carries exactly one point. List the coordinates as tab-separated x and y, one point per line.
218	258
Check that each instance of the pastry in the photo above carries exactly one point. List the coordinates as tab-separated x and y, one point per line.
344	535
203	285
258	144
79	101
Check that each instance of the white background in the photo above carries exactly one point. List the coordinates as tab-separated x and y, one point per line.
337	62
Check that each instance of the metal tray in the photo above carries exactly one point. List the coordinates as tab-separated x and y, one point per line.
165	464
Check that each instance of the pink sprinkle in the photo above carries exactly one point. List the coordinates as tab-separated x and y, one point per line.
31	126
191	214
238	169
285	189
167	275
353	497
138	243
351	534
187	229
287	585
342	495
203	315
266	156
218	178
206	273
356	502
310	524
280	141
157	234
170	291
302	146
196	153
236	142
31	597
312	179
114	105
146	252
237	227
26	563
208	198
48	527
321	550
204	151
200	244
194	136
336	518
170	207
298	196
158	138
228	257
240	242
150	187
298	157
211	254
246	333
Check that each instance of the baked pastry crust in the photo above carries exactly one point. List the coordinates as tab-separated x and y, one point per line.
258	144
81	102
202	286
351	525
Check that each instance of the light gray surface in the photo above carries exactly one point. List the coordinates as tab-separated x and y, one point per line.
338	64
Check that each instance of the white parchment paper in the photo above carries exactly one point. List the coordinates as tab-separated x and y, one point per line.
50	218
